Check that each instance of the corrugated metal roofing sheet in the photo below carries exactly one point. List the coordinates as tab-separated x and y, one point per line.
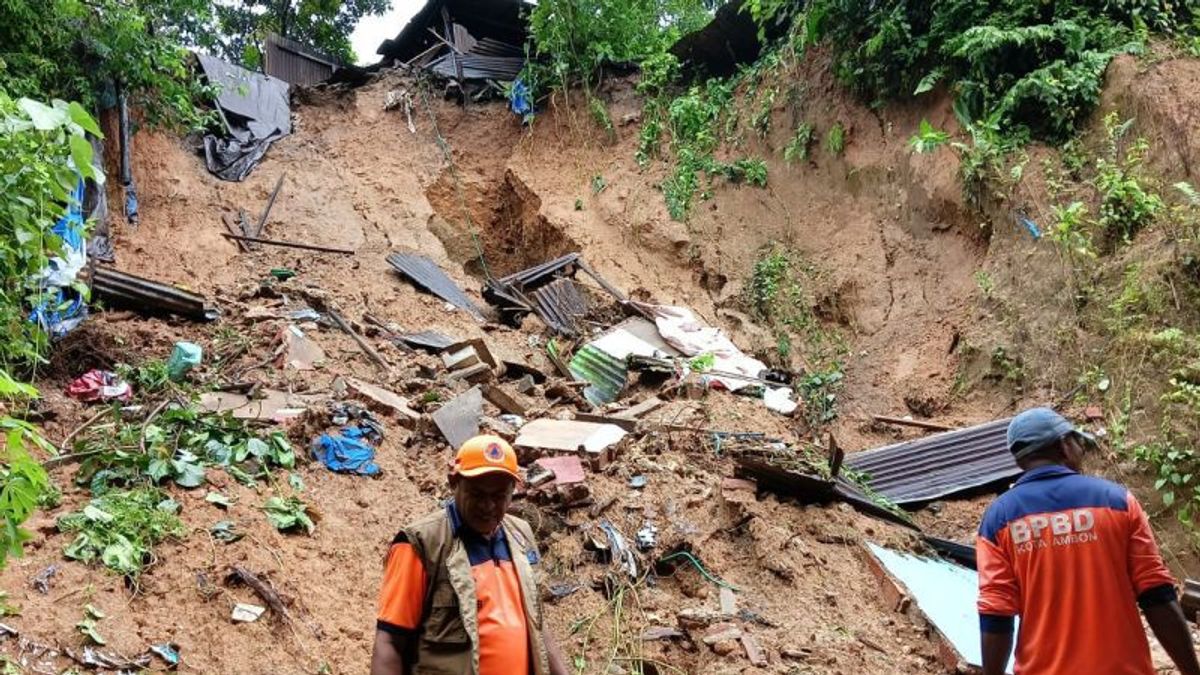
940	465
560	304
426	274
607	374
478	67
296	63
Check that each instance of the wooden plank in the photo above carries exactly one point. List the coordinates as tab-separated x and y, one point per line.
626	424
900	421
637	411
508	401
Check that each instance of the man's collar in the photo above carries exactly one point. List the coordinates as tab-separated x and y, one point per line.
1043	472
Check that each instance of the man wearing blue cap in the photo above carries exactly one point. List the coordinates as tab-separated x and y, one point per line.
1074	557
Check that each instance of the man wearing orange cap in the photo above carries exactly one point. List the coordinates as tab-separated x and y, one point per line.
459	593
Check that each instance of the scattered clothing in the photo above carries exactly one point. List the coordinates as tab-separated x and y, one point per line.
99	385
346	452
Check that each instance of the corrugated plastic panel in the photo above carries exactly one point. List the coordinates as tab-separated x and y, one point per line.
560	304
606	373
939	465
426	274
945	593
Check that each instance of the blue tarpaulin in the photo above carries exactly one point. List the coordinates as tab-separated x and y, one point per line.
346	452
62	308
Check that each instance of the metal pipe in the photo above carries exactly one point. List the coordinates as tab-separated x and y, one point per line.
289	244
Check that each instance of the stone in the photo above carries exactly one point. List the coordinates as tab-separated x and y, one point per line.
721	632
754	651
724	647
728	602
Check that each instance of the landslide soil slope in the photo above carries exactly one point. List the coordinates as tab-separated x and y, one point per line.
888	229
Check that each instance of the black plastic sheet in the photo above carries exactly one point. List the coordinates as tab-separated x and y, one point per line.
255	110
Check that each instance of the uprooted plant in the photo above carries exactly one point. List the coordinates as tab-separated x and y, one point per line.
180	444
120	529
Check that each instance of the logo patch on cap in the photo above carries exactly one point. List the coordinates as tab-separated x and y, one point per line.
494	453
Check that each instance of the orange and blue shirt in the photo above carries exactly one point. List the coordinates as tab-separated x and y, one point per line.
503	631
1073	556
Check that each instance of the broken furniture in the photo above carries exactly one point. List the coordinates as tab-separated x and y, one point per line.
144	295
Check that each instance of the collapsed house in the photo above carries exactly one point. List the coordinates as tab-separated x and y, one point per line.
468	42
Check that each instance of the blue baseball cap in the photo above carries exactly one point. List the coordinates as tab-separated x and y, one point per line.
1036	429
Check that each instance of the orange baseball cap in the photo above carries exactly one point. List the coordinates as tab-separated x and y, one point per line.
485	454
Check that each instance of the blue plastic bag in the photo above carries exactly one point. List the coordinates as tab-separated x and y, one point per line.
520	99
346	452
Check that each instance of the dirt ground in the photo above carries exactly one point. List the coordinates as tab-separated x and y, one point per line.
888	228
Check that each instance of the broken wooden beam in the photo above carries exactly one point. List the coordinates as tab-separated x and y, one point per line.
262	220
229	225
900	421
358	339
289	244
505	400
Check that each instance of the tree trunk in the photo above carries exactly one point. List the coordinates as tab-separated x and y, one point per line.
285	10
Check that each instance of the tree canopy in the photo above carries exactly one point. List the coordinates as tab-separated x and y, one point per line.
241	26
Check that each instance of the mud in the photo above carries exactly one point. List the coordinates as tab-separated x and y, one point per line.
897	248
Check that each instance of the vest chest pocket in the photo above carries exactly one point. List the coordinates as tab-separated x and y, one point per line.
444	627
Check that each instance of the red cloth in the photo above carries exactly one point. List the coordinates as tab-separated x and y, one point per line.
99	385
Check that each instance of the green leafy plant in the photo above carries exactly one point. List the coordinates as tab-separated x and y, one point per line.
928	138
573	39
120	529
178	446
87	626
985	283
77	49
1070	230
702	362
835	141
24	484
601	117
288	514
1127	204
819	390
797	148
1037	68
39	147
1006	366
149	377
